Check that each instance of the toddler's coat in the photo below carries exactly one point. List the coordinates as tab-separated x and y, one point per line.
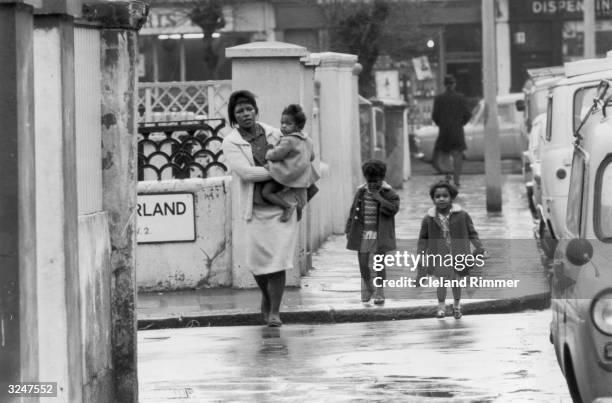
386	221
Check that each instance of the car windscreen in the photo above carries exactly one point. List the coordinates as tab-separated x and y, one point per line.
603	201
583	100
538	103
506	113
477	116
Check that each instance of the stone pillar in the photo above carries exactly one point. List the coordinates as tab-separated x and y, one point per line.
58	293
311	215
18	307
355	137
120	22
273	72
338	112
394	142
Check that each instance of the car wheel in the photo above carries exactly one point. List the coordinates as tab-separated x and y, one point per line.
547	242
570	377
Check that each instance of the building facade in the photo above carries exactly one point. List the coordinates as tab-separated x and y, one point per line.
550	32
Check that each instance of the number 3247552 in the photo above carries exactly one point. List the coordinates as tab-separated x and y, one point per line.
26	389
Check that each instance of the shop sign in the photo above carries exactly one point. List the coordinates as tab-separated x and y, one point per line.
166	217
176	21
549	9
387	84
422	68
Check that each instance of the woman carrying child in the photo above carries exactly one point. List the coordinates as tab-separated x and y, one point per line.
447	229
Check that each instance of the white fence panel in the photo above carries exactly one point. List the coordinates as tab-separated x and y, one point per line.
88	119
173	101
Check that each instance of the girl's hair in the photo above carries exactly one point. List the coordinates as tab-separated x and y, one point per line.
374	169
443	184
239	97
297	113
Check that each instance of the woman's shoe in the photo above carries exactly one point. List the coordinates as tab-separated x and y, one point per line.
440	314
274	322
457	312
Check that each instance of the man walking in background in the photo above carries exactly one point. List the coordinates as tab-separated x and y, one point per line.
450	113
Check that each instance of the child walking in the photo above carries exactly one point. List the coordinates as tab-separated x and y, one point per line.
447	230
370	228
290	163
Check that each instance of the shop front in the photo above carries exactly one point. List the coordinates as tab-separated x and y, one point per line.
550	32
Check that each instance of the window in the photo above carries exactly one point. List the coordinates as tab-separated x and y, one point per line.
506	114
477	115
549	118
583	100
603	201
575	195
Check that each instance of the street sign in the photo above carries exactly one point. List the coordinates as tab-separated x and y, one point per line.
165	217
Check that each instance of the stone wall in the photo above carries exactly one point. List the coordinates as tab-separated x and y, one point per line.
204	262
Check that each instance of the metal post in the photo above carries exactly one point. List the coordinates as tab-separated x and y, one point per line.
183	62
441	59
491	146
588	10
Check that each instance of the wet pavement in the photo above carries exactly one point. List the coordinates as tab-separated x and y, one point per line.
334	282
482	358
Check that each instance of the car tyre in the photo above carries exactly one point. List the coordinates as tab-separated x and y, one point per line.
570	377
547	241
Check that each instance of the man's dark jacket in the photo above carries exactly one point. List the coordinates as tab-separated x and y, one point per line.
450	113
387	209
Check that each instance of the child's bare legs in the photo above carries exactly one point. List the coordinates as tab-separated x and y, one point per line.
269	192
367	288
441	291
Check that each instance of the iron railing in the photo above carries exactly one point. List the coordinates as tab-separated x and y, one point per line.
180	150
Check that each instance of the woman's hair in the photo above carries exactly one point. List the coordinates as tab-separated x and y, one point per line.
452	191
374	169
297	113
239	97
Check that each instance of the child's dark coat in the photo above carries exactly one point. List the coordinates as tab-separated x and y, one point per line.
462	231
386	221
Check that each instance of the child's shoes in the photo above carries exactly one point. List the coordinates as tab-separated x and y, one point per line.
366	290
440	314
457	312
379	296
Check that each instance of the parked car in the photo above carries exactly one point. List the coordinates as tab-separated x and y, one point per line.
509	125
581	326
532	170
535	91
569	100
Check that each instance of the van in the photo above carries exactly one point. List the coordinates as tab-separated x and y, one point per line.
568	101
533	105
581	326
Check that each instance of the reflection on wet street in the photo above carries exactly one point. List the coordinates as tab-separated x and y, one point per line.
478	358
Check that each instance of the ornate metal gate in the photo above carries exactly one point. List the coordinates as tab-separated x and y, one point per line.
180	150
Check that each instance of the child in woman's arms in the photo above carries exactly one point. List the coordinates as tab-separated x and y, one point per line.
290	162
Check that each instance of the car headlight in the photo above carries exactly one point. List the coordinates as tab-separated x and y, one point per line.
601	312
